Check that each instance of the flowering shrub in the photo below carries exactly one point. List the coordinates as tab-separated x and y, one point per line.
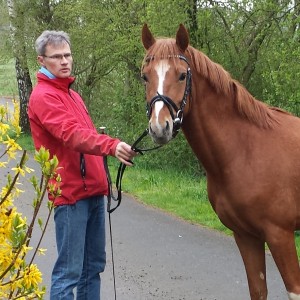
20	278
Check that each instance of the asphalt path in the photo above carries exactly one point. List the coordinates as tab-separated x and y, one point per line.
159	256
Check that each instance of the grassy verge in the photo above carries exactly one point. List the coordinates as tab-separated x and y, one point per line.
25	140
178	193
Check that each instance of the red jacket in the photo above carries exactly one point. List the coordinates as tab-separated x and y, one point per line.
60	122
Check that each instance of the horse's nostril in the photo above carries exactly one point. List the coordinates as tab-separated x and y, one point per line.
150	128
167	125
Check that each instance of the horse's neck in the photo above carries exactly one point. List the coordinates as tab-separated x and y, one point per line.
213	128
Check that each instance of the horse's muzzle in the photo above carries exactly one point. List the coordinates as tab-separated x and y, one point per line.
161	133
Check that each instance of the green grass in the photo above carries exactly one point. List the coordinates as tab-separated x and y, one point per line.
177	193
26	142
297	240
8	81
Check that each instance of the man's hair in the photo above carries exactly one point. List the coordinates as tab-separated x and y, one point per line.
50	37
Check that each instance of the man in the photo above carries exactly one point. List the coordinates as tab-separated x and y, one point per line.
60	122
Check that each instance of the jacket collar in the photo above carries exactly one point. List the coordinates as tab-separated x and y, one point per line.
60	83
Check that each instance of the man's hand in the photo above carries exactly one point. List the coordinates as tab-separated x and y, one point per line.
125	154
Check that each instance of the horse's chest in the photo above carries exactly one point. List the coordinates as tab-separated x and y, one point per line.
228	208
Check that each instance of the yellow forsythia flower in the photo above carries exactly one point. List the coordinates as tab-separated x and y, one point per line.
32	276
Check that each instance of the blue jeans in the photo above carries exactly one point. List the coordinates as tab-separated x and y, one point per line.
80	239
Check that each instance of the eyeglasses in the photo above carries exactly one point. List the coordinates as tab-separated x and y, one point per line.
59	56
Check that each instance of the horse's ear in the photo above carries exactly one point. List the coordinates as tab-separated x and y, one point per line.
147	37
182	38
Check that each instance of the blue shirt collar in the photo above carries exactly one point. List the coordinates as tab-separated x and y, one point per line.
47	73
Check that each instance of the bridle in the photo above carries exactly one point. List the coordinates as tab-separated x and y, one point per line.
178	118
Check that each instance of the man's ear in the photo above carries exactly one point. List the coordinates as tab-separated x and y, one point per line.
40	60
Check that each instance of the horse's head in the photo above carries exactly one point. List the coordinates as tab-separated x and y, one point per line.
167	78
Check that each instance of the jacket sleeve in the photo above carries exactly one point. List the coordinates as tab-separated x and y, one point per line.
74	129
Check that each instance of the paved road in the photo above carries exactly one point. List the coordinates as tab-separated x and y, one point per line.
158	256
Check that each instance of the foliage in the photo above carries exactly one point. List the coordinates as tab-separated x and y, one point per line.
20	278
256	41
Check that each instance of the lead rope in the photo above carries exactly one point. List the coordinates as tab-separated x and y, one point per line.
112	256
109	221
111	196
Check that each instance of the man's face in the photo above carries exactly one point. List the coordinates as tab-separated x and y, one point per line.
57	60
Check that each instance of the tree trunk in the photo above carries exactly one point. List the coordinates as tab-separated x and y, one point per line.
22	70
254	44
25	89
295	25
192	22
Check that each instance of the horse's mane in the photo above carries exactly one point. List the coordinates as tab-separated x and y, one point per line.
255	111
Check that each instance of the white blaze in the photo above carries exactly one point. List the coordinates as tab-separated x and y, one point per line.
161	69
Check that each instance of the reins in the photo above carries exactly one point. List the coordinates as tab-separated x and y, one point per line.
120	173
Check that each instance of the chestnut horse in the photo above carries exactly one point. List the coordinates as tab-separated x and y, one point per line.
250	151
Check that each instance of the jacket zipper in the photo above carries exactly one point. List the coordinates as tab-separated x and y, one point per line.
82	159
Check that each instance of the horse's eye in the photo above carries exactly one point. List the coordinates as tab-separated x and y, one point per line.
182	76
144	77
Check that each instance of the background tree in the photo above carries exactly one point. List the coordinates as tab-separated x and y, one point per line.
16	11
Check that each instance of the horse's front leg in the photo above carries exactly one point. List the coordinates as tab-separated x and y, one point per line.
282	246
253	254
